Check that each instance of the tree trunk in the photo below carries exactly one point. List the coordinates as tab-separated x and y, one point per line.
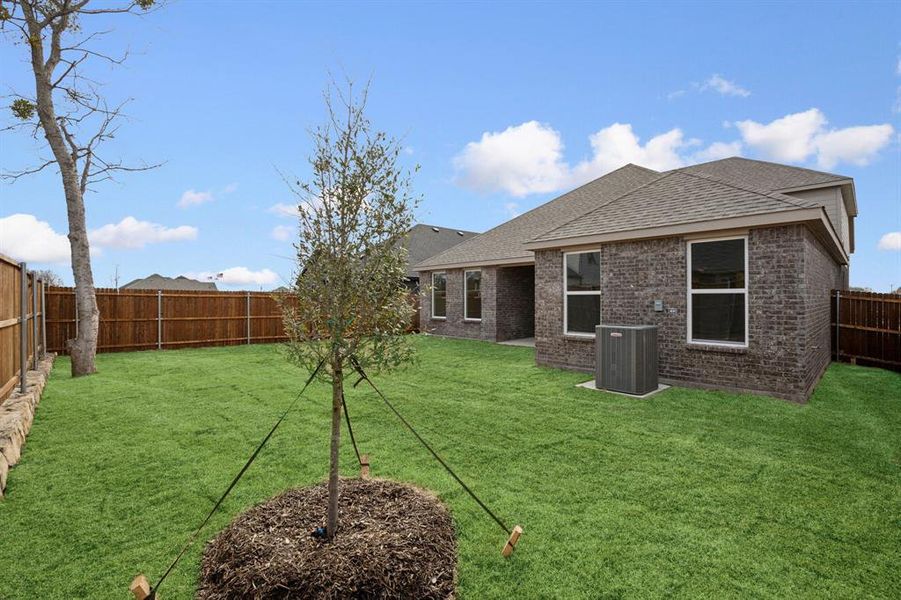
84	346
337	394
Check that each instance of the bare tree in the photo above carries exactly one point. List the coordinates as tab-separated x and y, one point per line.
75	120
49	277
349	302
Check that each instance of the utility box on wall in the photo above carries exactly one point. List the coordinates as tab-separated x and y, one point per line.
626	358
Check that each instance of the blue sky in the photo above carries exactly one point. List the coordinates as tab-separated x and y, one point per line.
503	105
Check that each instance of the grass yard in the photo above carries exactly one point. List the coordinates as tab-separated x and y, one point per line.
689	493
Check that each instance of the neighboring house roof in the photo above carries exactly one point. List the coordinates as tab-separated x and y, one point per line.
425	241
159	282
505	244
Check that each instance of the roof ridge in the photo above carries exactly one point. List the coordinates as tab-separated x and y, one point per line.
444	227
776	164
795	202
661	176
433	259
763	162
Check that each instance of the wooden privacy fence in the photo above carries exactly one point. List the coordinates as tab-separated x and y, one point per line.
867	328
152	319
23	329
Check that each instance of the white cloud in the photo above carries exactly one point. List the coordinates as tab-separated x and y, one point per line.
522	159
675	94
789	138
131	233
617	145
236	276
192	198
891	241
798	136
284	210
282	233
724	87
528	158
717	150
25	238
230	188
855	145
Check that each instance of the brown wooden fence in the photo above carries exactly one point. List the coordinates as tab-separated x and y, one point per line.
22	332
156	320
150	319
867	328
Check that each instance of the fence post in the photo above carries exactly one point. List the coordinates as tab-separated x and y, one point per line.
23	327
248	317
34	319
159	319
43	318
838	324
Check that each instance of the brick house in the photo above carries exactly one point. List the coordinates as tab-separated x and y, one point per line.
733	260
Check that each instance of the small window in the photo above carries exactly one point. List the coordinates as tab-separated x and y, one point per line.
472	299
718	291
582	297
439	295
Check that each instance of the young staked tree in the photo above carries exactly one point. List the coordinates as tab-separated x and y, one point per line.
69	112
349	301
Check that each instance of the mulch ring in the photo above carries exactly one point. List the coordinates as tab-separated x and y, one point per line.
392	541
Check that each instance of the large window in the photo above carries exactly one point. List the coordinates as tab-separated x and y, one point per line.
439	295
582	285
472	295
718	291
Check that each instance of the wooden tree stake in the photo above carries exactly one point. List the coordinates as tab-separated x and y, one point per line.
364	466
140	587
511	543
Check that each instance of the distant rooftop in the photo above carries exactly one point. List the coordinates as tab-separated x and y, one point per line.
424	241
159	282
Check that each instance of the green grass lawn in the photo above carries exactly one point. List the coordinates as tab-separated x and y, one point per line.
689	493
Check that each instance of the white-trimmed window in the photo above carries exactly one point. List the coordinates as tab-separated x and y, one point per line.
582	292
439	295
472	295
718	291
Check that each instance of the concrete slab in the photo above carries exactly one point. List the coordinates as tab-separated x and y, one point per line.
524	342
591	386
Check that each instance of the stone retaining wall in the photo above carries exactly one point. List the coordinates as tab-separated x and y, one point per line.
17	415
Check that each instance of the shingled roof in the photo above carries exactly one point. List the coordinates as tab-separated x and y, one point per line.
674	198
505	243
636	199
424	241
762	174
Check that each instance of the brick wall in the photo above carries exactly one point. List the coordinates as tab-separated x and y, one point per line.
821	276
508	305
454	325
785	316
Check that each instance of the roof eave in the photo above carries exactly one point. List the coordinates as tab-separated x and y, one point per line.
501	262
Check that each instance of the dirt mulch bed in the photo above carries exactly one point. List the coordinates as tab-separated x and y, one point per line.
393	541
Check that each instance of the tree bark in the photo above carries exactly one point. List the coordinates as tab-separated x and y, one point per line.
84	347
337	394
